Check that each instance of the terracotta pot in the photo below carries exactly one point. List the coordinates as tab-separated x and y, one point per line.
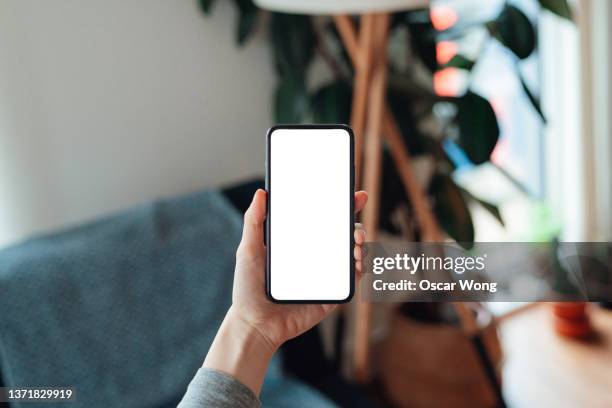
571	319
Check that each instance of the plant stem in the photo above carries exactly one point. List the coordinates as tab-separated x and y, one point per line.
520	186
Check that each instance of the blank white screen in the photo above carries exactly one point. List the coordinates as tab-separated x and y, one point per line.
310	204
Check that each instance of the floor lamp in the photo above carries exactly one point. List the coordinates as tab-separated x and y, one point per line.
371	120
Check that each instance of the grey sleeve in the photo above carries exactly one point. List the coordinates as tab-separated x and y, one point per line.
212	388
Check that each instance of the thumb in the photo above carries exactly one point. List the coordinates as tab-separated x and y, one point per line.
253	229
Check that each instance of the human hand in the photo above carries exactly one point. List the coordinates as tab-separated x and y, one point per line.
254	326
276	322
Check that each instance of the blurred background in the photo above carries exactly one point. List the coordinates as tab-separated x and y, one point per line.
109	109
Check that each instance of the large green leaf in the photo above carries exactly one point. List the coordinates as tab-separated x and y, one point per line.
461	62
332	103
559	7
247	19
451	209
422	37
514	30
293	42
478	128
206	5
291	100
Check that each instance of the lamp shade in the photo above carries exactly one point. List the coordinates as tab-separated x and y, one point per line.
339	6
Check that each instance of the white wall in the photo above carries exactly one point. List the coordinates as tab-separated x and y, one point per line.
107	103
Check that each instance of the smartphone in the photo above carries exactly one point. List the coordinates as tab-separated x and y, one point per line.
310	221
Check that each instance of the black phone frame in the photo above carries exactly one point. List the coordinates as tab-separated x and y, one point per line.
268	237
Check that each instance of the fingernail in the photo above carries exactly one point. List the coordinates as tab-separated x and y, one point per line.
255	195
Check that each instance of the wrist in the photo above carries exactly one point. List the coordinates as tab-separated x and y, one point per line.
254	336
241	350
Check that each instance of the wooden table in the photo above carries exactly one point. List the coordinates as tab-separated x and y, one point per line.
542	369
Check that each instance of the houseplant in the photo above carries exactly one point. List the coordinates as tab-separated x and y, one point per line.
427	120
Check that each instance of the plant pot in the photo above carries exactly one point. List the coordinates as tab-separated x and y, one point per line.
571	319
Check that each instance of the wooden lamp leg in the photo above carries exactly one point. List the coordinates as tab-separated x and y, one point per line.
359	46
361	91
401	156
361	51
368	53
372	176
